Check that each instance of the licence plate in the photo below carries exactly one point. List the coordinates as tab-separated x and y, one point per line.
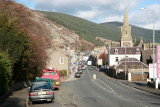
57	83
41	93
48	99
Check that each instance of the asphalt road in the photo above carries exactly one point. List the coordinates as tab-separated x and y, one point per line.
131	95
87	92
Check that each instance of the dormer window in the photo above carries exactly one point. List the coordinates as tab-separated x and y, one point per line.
116	51
137	50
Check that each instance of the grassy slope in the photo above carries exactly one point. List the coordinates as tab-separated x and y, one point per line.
89	30
137	32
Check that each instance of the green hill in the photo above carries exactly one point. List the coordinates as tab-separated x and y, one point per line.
89	30
137	32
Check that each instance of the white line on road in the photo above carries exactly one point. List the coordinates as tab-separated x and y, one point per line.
110	89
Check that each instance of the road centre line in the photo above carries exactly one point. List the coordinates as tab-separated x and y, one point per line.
97	82
101	82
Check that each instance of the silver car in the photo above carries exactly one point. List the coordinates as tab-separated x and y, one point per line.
77	74
41	91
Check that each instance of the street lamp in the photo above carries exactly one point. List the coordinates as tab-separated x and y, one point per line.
153	32
156	81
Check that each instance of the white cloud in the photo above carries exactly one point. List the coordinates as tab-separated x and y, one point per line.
103	10
144	18
87	14
73	7
112	18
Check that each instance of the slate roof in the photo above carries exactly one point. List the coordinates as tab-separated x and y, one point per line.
128	59
146	56
129	50
132	64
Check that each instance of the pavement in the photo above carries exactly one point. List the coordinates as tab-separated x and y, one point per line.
71	77
141	85
18	98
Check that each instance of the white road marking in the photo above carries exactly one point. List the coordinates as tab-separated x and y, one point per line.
110	89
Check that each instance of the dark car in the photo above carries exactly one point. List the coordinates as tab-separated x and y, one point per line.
44	80
41	91
80	71
77	75
91	68
102	69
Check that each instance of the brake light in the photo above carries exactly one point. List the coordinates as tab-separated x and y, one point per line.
31	94
51	92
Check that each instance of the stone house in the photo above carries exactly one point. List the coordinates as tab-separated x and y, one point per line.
99	50
59	59
146	56
138	70
118	53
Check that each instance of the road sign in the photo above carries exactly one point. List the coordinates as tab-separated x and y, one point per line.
158	61
153	70
99	61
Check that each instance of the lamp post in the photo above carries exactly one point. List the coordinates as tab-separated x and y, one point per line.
155	79
153	32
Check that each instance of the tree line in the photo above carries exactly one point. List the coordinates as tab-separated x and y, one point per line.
22	56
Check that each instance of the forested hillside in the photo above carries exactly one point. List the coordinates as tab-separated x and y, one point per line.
89	30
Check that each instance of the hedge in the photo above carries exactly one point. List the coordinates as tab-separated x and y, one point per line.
63	72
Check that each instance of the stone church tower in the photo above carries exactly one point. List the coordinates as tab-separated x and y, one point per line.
126	38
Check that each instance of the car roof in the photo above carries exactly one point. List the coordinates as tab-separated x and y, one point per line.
40	83
43	79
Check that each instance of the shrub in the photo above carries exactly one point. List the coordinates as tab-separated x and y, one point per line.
5	73
63	72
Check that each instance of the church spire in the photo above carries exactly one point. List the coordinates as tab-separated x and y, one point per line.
141	39
125	20
126	38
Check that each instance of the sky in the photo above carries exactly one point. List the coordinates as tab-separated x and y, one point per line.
100	11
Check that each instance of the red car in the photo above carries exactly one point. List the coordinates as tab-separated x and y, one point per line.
53	75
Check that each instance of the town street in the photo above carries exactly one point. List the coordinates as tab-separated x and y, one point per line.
87	92
102	92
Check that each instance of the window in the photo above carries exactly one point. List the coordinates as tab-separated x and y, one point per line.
137	50
116	51
54	73
126	32
61	60
47	73
116	59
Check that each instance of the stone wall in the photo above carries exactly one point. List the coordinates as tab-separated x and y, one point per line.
139	77
15	87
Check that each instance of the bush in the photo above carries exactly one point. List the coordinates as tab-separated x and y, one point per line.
63	72
5	73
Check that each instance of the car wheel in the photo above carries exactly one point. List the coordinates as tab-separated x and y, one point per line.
52	101
28	102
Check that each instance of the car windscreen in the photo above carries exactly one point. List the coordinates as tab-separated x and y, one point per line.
46	73
54	73
41	86
41	80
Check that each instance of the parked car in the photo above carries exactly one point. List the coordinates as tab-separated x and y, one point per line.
102	69
44	80
83	68
77	74
52	74
41	91
91	68
80	71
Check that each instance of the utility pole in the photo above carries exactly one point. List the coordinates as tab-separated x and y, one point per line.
125	62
